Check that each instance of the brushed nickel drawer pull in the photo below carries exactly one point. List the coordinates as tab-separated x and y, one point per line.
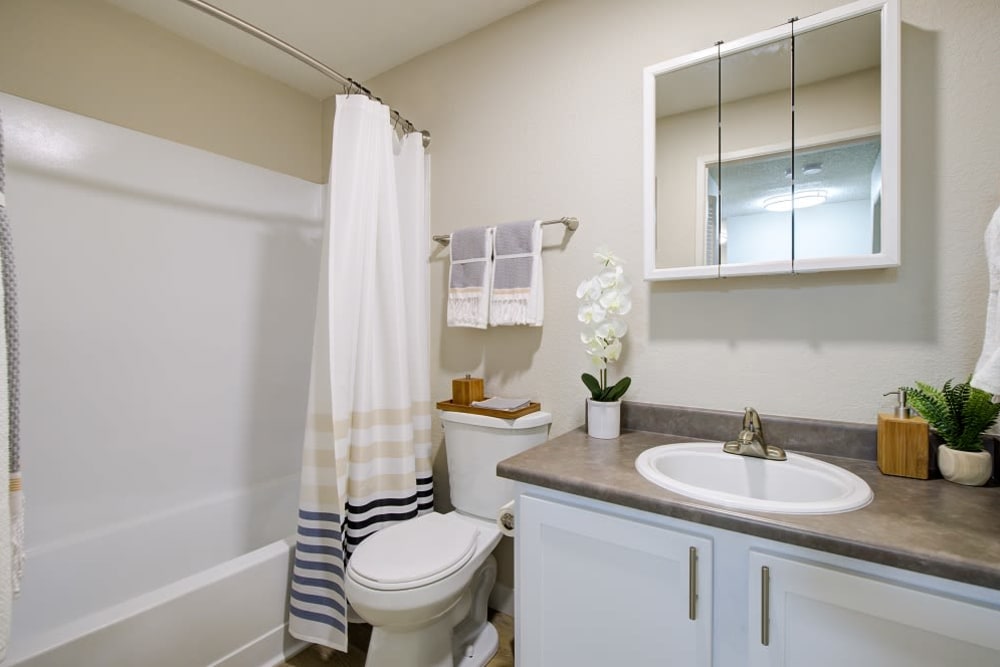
765	605
692	583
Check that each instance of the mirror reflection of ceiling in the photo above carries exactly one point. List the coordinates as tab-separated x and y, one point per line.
820	55
844	174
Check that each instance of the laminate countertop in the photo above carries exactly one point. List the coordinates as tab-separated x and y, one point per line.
931	526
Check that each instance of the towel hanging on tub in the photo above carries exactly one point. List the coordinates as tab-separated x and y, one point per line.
11	508
516	290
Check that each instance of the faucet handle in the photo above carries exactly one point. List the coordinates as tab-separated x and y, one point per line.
751	421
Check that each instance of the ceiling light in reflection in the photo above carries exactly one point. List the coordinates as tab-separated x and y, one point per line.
804	199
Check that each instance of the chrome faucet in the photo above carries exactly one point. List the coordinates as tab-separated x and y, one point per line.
750	441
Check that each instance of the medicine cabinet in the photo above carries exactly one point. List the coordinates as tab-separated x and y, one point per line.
778	152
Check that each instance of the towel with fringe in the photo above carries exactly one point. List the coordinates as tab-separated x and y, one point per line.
469	276
516	292
11	504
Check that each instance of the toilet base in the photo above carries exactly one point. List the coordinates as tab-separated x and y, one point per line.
460	637
482	650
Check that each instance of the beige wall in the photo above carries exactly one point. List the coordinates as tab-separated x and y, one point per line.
539	115
97	60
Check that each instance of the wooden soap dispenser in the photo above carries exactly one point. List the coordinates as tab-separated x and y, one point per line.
903	441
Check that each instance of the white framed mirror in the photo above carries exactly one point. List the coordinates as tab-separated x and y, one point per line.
778	152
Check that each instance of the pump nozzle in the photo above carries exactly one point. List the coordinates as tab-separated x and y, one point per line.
901	409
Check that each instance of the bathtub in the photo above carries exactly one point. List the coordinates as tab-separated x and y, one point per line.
205	584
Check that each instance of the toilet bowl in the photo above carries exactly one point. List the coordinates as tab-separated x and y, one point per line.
424	584
414	608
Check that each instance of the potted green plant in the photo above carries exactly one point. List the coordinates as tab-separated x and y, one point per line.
604	301
960	414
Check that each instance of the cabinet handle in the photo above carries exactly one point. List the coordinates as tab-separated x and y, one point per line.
692	583
765	605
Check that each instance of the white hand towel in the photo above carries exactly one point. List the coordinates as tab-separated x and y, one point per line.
987	374
517	293
469	277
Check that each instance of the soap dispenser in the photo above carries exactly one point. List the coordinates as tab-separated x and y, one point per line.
903	441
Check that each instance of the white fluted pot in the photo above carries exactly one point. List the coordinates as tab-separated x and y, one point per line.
604	419
969	468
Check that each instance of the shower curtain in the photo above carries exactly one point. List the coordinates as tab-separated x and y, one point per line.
367	453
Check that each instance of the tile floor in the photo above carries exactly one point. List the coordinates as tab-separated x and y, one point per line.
355	657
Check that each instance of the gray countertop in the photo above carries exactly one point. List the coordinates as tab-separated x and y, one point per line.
931	526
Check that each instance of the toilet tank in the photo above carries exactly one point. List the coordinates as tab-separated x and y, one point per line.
475	444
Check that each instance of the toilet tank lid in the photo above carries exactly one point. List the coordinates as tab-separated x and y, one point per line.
527	421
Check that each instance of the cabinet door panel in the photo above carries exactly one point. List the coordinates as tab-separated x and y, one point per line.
595	589
820	616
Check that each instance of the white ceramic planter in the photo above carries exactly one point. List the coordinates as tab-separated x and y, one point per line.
969	468
604	419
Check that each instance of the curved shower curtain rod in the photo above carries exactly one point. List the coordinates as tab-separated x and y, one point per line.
301	56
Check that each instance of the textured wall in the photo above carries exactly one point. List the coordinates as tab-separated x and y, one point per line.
539	115
97	60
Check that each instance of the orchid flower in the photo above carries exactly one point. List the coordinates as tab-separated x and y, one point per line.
604	300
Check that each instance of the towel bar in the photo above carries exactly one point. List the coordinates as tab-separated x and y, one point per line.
571	225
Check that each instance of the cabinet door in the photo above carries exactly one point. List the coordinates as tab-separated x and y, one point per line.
809	615
595	589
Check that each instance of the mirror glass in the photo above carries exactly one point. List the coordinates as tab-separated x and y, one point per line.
837	139
687	134
769	154
756	153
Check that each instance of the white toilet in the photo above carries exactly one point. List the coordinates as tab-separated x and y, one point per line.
424	584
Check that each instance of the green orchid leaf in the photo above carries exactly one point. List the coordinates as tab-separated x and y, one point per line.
618	390
593	385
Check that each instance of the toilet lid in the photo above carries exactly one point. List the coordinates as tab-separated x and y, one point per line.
414	553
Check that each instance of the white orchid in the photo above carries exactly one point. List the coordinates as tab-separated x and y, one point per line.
615	302
612	329
591	313
613	279
606	257
590	288
604	299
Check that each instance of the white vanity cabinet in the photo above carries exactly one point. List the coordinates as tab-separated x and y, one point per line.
599	584
598	589
805	613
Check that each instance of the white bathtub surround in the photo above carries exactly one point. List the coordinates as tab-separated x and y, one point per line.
220	597
171	302
517	290
366	460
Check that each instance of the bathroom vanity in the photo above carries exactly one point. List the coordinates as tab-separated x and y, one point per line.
612	569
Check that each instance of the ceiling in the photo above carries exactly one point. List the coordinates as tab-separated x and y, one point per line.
843	173
357	39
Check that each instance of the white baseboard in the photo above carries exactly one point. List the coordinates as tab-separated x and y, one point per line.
502	599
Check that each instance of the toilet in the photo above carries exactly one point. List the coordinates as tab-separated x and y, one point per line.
424	584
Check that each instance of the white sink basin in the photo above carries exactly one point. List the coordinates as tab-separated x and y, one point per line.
800	485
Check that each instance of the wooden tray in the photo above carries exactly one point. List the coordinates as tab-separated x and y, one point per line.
451	406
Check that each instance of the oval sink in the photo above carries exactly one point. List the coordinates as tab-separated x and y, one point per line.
800	485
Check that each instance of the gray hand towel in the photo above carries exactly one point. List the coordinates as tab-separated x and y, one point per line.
468	279
516	294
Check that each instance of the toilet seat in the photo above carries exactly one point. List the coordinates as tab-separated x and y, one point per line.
414	553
